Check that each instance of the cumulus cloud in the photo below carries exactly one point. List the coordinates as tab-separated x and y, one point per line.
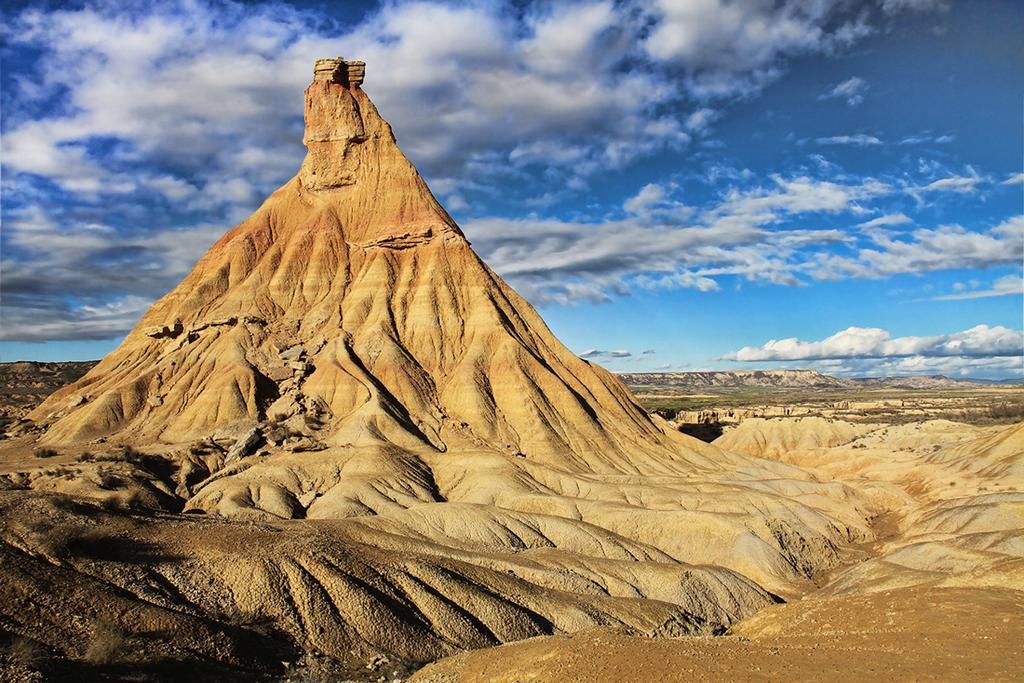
980	341
999	367
852	90
648	197
463	97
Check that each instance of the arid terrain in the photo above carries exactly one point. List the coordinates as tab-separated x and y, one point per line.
344	448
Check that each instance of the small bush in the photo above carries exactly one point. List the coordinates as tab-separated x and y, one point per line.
108	481
86	457
129	454
64	473
26	652
107	645
44	453
130	500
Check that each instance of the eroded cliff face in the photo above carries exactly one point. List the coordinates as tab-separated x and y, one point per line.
334	125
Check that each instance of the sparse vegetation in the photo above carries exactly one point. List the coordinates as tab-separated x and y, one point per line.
44	452
981	406
107	645
62	472
108	480
26	652
1006	412
129	500
129	454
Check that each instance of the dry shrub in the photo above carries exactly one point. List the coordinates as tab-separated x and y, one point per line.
108	480
26	652
107	645
44	453
129	500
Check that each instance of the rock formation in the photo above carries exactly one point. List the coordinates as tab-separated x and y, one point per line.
352	296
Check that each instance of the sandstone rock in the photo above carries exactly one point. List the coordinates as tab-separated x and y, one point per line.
293	353
301	444
244	446
284	407
164	331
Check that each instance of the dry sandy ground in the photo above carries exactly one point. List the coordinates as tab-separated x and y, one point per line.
903	635
932	590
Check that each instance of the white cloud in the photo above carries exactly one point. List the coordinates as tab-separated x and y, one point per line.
962	184
898	6
456	96
647	198
88	281
202	103
1015	179
735	47
1005	286
926	250
83	322
597	353
663	244
700	120
886	220
859	140
925	139
852	90
980	341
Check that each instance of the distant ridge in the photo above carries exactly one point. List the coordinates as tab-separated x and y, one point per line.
794	379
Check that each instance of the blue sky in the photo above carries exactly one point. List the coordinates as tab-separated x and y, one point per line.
675	184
